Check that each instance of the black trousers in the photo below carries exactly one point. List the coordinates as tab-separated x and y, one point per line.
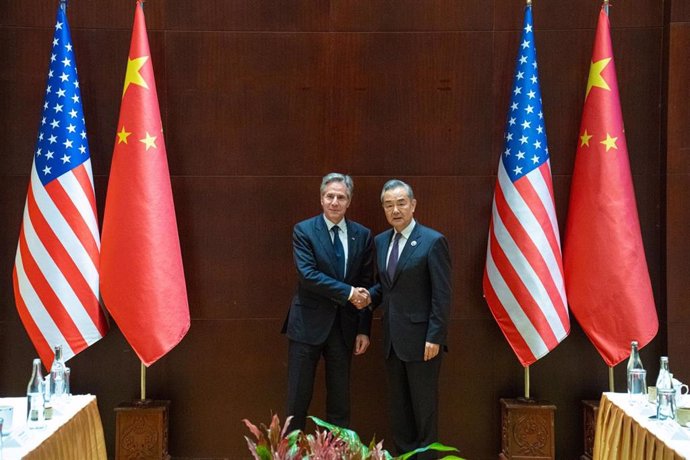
303	360
413	403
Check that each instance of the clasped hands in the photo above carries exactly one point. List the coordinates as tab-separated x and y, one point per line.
360	297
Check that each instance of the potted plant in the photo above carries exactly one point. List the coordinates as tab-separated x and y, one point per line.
330	443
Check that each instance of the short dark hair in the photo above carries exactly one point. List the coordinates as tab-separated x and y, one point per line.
396	183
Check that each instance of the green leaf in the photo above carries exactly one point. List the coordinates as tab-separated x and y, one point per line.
264	453
437	446
350	437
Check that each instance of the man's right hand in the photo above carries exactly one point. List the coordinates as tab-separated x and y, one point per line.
360	298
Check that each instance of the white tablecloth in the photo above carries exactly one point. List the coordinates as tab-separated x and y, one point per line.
615	436
75	421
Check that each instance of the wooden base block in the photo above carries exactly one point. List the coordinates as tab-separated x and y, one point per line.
590	411
527	430
141	430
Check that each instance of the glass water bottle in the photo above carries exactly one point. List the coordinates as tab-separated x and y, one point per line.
34	398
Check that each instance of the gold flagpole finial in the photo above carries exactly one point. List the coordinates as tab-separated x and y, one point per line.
528	2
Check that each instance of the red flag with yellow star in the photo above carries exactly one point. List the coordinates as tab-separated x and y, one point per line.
606	274
142	277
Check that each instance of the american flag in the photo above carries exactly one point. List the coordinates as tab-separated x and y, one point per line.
55	274
523	278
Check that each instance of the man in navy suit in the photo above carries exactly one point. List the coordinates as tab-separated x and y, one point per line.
414	290
334	261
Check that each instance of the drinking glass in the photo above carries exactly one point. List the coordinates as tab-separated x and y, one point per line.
6	416
637	385
666	407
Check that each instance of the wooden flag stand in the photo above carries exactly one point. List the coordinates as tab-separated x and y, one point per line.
141	427
527	428
590	411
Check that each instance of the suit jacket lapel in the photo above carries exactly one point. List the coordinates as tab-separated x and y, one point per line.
352	247
324	238
382	256
410	246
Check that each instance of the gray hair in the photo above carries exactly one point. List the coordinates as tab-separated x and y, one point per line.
337	177
396	183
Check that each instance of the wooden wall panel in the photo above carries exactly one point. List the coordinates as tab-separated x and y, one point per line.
678	142
13	192
578	15
359	101
396	110
248	15
677	249
21	94
410	15
640	91
680	11
260	99
101	14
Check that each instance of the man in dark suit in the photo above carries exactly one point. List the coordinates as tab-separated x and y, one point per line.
414	290
334	261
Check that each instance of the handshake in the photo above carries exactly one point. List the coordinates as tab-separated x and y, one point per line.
360	298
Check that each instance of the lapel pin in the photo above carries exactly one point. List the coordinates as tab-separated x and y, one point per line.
413	243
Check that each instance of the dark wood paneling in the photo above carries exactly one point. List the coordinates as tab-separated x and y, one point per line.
578	15
640	92
13	192
677	235
222	372
247	15
678	345
101	14
678	143
21	93
396	110
368	102
677	248
271	85
680	11
408	15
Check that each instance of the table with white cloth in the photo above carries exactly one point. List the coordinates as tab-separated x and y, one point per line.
74	432
627	431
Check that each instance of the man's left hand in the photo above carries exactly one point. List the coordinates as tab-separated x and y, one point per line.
430	350
361	344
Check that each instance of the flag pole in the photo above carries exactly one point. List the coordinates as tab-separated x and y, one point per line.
606	7
527	3
611	387
143	381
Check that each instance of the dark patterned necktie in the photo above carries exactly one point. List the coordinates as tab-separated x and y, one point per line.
339	253
393	257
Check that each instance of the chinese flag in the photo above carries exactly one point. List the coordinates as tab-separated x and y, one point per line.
606	273
142	278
